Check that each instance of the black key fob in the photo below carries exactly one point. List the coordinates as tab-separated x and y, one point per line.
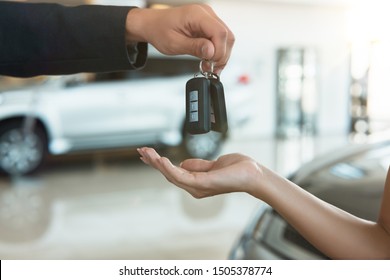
218	106
198	106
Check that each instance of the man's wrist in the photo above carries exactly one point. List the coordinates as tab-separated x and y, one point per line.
134	26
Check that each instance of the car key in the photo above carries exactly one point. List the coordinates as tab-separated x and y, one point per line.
198	105
218	106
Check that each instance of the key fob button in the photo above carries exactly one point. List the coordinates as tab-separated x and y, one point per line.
194	117
193	95
194	106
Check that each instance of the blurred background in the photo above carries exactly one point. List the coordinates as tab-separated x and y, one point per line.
305	77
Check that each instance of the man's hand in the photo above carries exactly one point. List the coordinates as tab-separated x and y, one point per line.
190	29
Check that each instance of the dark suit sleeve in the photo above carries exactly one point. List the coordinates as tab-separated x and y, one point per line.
50	39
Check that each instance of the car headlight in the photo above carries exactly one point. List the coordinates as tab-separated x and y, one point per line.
261	223
255	231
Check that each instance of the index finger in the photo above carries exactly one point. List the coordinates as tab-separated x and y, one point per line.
174	174
219	34
195	183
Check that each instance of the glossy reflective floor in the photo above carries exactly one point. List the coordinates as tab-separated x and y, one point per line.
114	207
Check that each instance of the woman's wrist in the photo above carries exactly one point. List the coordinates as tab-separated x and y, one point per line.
255	181
264	183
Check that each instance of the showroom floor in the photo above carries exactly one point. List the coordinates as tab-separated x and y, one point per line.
118	208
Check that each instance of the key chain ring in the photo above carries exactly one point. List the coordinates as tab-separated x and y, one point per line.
213	75
206	73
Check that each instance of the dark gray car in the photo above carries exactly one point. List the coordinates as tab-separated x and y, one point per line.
351	178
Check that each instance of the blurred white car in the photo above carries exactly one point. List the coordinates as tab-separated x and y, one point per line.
113	110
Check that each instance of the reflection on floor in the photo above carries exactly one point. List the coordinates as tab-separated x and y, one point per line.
121	209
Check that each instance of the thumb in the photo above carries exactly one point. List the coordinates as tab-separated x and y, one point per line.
200	47
197	165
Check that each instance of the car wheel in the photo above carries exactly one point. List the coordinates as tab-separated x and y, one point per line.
20	152
203	146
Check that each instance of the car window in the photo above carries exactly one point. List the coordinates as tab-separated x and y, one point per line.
11	83
155	67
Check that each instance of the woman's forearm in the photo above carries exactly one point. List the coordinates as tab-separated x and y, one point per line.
333	231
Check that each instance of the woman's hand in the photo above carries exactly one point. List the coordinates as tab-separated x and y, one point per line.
203	178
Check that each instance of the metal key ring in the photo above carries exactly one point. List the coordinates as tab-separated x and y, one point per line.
206	73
